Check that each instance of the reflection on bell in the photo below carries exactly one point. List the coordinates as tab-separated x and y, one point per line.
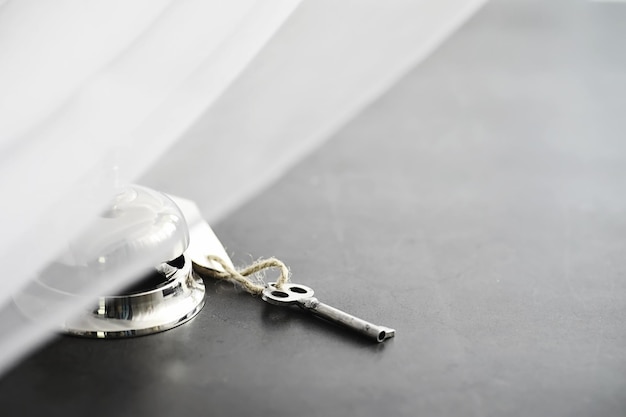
172	296
139	222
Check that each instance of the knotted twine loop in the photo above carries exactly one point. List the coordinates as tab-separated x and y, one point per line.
240	277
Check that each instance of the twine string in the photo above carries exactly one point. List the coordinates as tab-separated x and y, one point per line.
242	277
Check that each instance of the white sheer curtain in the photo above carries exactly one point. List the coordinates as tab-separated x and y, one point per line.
92	93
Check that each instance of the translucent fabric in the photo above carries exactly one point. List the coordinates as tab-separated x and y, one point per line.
93	93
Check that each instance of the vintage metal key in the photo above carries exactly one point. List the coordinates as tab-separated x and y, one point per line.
303	297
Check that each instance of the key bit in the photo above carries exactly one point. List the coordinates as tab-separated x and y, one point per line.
302	296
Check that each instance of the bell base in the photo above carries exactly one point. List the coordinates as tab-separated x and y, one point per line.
162	308
126	330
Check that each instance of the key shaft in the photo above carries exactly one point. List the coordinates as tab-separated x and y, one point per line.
379	333
302	296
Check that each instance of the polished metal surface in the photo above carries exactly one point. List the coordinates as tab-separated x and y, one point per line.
139	225
138	221
302	296
176	300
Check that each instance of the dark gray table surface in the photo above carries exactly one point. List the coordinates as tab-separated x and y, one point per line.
478	208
